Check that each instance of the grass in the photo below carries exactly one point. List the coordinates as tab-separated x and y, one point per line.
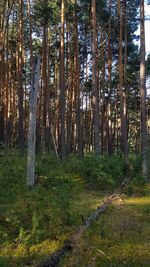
121	237
34	223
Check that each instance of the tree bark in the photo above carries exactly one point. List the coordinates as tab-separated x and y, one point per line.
62	81
109	122
77	85
95	96
32	124
143	93
20	80
124	144
45	80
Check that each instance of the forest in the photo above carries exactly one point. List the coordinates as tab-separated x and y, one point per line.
74	133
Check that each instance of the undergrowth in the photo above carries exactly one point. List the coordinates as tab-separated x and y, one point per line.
34	223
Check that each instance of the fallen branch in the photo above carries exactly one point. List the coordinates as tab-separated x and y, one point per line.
69	244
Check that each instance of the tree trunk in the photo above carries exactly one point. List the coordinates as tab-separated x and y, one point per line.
2	69
103	93
62	81
45	80
32	124
30	33
20	80
95	96
77	85
109	122
124	145
143	93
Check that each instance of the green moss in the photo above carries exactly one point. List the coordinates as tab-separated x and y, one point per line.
119	238
34	223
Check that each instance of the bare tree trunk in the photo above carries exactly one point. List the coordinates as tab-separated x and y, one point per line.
70	108
103	92
45	80
32	124
62	81
45	88
143	93
95	102
109	126
30	33
2	69
20	80
124	145
77	85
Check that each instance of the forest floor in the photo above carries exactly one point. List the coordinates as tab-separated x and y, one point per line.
121	237
35	223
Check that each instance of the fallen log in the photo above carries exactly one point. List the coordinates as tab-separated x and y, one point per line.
69	244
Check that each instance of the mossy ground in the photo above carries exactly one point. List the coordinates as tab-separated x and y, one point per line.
35	223
120	238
